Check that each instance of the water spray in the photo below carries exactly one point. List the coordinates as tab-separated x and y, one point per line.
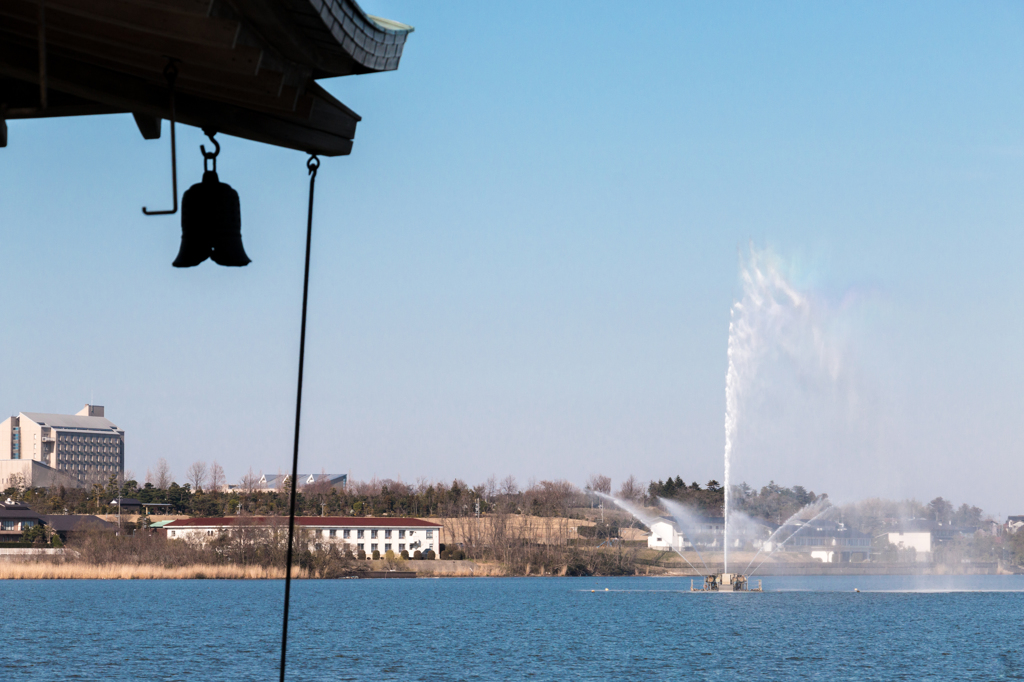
805	508
644	519
684	519
768	302
781	544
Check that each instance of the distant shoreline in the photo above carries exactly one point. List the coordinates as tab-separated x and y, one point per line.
47	570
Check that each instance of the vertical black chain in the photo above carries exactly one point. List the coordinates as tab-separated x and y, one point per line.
312	164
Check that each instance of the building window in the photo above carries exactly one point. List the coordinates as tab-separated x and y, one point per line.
7	524
346	533
359	534
430	533
373	535
360	546
387	546
401	534
173	533
373	546
387	534
401	547
332	533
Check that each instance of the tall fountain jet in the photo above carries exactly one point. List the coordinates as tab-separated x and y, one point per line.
768	303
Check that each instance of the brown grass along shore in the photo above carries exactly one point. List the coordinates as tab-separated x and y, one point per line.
44	570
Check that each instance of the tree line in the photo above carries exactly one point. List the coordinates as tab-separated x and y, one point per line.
204	496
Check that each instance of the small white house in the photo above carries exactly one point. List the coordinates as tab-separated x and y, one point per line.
368	534
665	536
919	540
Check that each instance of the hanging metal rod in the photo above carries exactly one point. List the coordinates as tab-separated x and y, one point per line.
42	54
171	74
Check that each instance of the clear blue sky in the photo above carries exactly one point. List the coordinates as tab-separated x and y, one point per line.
526	265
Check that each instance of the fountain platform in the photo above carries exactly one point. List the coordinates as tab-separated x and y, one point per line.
725	582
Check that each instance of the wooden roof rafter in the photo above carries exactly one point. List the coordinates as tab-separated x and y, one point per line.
245	67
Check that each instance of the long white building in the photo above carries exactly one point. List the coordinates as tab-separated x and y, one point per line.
39	449
368	534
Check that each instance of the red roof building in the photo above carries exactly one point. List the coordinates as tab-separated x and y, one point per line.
368	534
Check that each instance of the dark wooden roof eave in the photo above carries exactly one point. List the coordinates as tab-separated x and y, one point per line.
246	67
329	132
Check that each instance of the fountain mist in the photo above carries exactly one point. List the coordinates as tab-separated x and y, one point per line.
630	507
686	521
795	533
768	302
644	519
816	507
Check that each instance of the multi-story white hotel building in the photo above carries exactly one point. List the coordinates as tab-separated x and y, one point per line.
368	534
60	449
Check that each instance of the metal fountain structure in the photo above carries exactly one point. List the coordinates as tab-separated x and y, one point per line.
726	582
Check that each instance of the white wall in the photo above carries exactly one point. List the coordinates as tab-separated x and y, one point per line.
921	541
416	538
664	536
33	473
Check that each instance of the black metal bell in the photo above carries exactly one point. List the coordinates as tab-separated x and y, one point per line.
211	221
195	229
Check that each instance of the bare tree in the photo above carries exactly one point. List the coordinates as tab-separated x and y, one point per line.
397	487
319	489
150	479
197	474
600	484
18	482
369	488
163	474
217	478
553	498
509	486
491	487
128	475
251	481
631	489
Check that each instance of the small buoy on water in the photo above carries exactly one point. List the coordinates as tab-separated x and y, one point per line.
592	590
606	589
856	590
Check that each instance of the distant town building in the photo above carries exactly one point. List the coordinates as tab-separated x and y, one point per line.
705	531
925	536
368	534
832	545
16	518
38	449
665	536
1014	524
283	481
916	534
70	525
128	505
825	541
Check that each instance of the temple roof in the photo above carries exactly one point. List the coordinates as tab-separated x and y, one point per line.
244	67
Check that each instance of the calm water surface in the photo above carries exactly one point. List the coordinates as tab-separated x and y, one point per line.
896	628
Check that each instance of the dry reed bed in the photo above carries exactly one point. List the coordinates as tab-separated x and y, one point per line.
18	570
463	570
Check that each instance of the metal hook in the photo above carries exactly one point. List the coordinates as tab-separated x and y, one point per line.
171	74
210	156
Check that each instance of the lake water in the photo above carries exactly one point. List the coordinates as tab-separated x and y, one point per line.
896	628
